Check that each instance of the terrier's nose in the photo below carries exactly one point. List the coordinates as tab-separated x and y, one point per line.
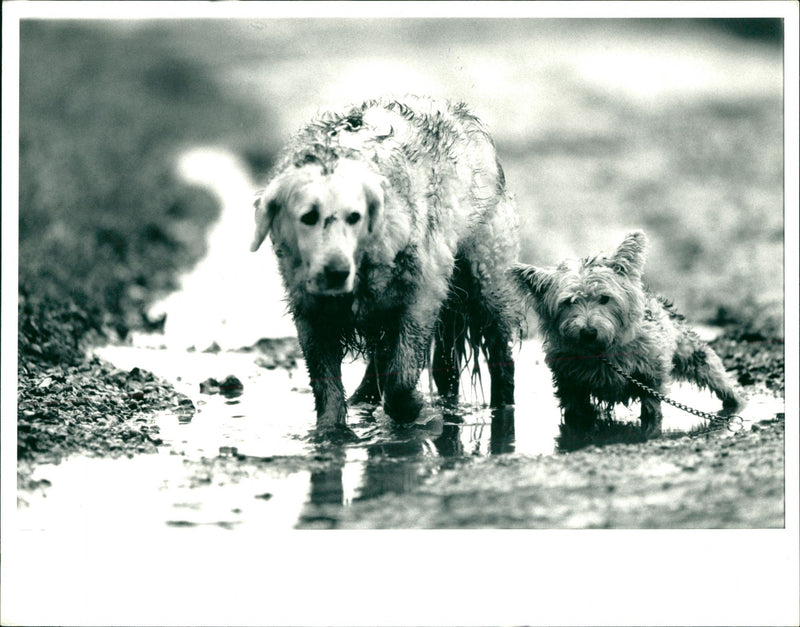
336	273
588	334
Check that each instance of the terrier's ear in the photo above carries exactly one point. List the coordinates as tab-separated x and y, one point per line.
534	281
629	256
267	205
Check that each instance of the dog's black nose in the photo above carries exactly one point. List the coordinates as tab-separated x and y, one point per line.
588	335
336	274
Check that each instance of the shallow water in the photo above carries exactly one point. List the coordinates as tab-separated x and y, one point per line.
249	461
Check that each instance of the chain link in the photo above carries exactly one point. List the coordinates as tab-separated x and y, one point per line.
734	423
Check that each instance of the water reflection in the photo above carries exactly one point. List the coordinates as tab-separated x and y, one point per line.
398	459
312	481
502	435
606	430
394	468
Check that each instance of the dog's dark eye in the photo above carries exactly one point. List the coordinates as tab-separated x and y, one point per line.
353	218
310	218
603	299
565	303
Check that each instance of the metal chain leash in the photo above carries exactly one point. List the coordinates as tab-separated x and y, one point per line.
734	423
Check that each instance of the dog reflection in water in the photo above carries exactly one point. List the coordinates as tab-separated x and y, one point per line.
398	464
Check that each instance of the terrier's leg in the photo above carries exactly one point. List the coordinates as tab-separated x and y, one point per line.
579	413
651	416
715	377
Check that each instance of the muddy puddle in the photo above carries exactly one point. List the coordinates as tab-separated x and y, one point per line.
244	459
248	460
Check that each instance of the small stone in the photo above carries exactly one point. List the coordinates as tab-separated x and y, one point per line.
185	410
231	387
209	386
213	348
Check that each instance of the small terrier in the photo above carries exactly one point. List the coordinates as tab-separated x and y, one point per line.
598	307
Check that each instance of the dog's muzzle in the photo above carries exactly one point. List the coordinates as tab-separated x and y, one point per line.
588	335
335	278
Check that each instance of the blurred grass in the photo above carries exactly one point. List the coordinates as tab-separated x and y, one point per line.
103	223
105	107
697	161
704	182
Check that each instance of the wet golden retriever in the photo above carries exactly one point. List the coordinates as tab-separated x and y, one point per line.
393	228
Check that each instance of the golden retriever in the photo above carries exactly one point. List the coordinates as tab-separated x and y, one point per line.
393	230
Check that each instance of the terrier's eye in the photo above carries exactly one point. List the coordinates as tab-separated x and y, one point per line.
353	218
565	303
310	218
604	299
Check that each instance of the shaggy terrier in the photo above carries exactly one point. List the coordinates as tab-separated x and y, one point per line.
393	231
597	308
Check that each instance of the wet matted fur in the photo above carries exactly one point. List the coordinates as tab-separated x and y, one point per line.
598	307
393	230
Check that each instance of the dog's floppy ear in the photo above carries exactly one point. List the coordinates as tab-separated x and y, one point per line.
629	256
267	205
534	281
373	192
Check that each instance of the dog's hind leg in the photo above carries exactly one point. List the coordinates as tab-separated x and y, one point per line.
492	326
495	314
446	363
497	340
450	336
501	371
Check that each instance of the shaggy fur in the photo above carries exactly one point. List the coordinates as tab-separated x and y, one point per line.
598	306
393	228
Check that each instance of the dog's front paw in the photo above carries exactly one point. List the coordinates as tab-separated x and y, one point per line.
579	419
403	406
333	434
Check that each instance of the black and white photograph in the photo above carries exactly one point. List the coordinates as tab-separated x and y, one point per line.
386	313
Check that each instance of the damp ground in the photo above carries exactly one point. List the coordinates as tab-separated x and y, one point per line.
246	458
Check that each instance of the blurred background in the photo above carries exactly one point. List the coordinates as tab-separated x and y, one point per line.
670	125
